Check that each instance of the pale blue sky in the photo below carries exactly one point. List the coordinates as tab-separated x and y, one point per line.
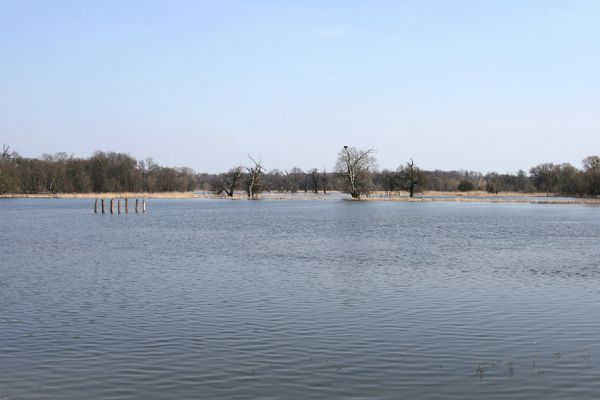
484	85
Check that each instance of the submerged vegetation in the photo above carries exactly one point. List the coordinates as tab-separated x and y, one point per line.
355	173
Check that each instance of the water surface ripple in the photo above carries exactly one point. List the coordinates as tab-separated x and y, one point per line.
299	300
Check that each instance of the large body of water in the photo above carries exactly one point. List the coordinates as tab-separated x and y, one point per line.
299	300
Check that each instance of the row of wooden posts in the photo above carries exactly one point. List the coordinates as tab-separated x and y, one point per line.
139	206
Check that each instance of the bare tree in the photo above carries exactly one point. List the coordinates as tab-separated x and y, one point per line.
591	162
314	180
591	168
356	166
9	178
388	181
253	184
230	181
7	155
410	176
276	181
545	176
5	152
151	165
293	178
306	174
324	180
493	183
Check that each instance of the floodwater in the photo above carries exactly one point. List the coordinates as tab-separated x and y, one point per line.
299	300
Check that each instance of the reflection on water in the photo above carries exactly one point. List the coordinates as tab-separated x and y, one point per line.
285	299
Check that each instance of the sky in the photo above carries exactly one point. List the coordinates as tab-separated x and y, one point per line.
474	85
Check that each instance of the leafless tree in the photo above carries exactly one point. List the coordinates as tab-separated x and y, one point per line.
493	183
545	176
324	180
151	165
305	179
591	162
591	167
293	178
274	180
229	181
388	181
314	179
253	184
410	176
356	166
6	154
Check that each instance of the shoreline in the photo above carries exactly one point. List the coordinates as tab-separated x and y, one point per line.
489	200
433	196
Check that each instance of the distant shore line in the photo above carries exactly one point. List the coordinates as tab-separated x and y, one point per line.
431	196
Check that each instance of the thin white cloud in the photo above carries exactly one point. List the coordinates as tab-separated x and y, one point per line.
332	33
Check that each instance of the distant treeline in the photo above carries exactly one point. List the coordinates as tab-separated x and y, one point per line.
102	172
118	172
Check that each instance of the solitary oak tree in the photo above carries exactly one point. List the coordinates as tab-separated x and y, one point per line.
410	176
356	167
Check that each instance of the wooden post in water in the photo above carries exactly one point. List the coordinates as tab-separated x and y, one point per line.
112	206
119	206
136	205
126	206
96	207
144	205
102	206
